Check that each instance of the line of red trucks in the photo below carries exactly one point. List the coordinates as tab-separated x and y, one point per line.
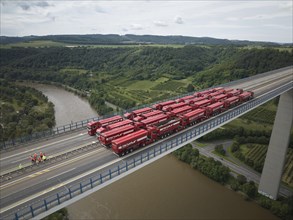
144	126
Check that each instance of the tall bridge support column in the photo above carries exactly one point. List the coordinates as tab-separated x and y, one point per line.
275	159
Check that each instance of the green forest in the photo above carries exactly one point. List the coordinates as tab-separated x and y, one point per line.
129	76
23	110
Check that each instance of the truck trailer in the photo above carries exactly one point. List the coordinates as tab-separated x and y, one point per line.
107	137
152	121
94	125
214	109
113	126
151	114
159	106
180	111
169	108
231	102
130	142
201	104
183	99
137	112
245	96
193	117
163	130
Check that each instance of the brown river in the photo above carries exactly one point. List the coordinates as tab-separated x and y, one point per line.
165	189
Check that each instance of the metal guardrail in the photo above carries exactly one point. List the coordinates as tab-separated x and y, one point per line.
81	124
75	192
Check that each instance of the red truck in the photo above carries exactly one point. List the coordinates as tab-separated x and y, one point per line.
219	98
203	93
174	106
137	112
191	101
214	109
202	103
180	111
107	137
152	121
159	106
193	117
245	96
113	126
234	92
231	102
183	99
130	142
212	94
94	125
163	130
151	114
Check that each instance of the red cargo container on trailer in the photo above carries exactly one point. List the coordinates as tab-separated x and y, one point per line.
245	96
231	102
180	111
107	137
156	132
193	117
137	112
174	106
185	98
191	101
202	103
130	142
204	93
151	114
94	125
159	106
219	98
214	109
235	92
152	121
113	126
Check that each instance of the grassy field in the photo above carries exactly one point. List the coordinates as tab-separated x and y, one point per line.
255	157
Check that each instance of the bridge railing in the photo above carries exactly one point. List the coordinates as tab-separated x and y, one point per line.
82	124
67	196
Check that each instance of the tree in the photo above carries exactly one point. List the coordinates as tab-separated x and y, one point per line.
241	179
219	149
190	88
249	189
235	146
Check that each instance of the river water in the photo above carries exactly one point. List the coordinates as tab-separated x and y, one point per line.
165	189
68	106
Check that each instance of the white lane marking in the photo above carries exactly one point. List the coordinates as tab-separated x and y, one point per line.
61	173
50	168
15	161
46	145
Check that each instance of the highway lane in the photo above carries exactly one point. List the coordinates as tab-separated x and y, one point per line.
12	159
36	185
55	145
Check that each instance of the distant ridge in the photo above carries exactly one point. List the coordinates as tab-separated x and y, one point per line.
101	39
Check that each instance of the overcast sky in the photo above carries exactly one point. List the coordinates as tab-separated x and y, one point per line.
231	19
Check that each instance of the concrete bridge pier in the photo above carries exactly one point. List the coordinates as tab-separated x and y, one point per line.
275	159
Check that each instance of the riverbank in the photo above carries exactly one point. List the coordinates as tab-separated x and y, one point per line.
68	106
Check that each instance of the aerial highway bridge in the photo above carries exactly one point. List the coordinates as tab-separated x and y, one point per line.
78	165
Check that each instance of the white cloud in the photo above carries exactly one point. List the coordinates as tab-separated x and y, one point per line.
251	20
160	23
178	20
